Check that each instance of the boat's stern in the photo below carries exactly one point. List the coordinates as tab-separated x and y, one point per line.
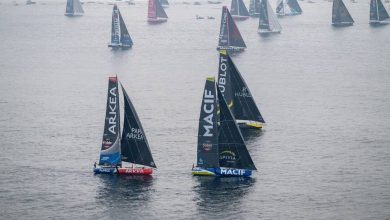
249	124
104	170
197	171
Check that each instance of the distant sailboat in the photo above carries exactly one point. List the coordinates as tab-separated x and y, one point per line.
131	146
229	36
73	8
237	94
340	14
254	8
215	2
268	23
156	13
120	37
288	7
221	149
164	3
378	13
30	2
238	10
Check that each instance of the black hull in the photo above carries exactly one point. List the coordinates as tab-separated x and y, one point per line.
341	24
114	47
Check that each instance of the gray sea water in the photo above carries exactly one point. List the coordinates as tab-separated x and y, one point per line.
324	92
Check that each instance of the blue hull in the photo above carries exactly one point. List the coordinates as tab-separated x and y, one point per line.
222	172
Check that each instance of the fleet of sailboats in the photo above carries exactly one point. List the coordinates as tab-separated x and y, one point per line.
378	13
238	10
221	149
340	14
268	22
129	147
227	104
288	7
120	37
156	13
229	36
74	8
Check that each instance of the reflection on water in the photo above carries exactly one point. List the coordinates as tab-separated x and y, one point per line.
121	194
221	197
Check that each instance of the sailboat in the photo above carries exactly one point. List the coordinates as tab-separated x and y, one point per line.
340	14
221	149
164	3
120	37
288	7
237	94
238	10
229	35
254	8
378	13
156	13
30	2
73	8
131	146
268	23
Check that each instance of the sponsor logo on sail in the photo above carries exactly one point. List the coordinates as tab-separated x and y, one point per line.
228	156
112	104
116	25
208	108
243	93
237	172
223	27
207	146
135	133
222	74
106	144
